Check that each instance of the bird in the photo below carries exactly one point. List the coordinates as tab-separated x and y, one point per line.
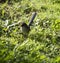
26	28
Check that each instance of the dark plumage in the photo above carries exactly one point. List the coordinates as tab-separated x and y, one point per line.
32	18
26	28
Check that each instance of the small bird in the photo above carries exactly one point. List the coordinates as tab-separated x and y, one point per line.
26	28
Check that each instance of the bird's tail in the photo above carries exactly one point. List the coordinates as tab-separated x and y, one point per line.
32	18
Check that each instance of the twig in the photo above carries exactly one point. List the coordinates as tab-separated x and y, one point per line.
14	24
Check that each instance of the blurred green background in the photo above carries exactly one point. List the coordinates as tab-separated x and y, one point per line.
43	42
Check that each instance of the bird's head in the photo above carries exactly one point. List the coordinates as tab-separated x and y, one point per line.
23	24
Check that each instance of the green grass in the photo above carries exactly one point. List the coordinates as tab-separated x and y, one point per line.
43	42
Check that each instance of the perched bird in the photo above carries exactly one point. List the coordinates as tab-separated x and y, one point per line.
26	28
